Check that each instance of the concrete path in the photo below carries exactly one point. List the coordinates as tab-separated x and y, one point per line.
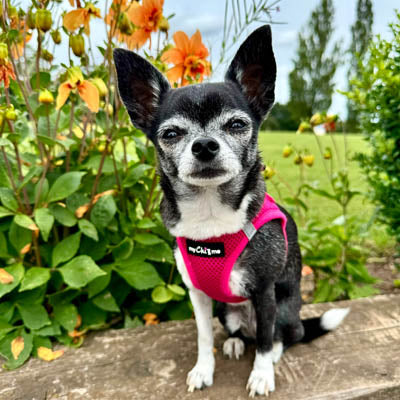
361	360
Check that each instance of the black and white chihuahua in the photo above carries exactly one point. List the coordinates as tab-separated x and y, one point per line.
210	168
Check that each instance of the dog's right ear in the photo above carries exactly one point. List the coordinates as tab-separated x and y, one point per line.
141	87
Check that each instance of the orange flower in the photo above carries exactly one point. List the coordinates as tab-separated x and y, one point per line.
189	57
24	36
87	91
6	72
117	13
147	18
75	18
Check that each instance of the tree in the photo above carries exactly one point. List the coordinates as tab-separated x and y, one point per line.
361	34
280	119
311	80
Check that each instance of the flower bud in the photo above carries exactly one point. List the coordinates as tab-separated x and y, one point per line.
46	97
47	56
10	113
269	172
316	119
109	110
332	118
3	51
298	159
287	151
164	25
309	160
124	24
12	12
43	20
327	153
101	86
77	44
31	19
75	75
303	127
56	36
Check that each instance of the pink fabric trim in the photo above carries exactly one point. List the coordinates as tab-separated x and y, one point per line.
214	272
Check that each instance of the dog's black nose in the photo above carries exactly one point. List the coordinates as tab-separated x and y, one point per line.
205	149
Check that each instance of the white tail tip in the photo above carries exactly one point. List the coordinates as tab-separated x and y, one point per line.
331	319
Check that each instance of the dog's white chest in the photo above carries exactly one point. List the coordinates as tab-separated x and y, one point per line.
205	216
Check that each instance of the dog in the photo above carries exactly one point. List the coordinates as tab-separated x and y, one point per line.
205	137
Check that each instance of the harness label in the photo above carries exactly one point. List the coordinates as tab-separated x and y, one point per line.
205	249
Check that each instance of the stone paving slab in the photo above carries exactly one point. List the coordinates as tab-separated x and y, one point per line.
361	360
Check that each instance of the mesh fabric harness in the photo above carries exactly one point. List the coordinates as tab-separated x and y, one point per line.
209	262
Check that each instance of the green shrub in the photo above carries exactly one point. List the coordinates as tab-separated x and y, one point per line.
376	95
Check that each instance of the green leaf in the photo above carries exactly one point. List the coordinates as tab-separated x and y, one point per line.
3	246
147	239
7	199
362	291
88	229
92	316
34	316
4	212
103	211
17	271
146	223
5	142
19	237
138	274
34	277
44	80
106	301
130	323
51	330
322	292
44	220
161	294
5	350
66	249
25	222
180	311
40	341
65	185
80	271
66	315
63	215
7	310
135	174
124	249
34	171
176	289
99	284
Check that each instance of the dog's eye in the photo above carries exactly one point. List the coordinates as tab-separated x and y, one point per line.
170	134
237	124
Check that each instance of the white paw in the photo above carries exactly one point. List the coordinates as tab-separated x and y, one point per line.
201	375
277	351
233	347
261	380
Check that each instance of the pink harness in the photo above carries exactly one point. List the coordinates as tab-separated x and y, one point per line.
210	261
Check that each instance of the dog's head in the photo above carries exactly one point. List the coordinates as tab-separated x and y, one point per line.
205	134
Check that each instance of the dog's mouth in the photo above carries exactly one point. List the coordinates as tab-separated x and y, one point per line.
208	173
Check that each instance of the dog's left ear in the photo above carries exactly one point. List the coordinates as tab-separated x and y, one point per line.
254	70
141	87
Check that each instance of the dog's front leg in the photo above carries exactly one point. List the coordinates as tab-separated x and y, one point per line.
262	380
202	373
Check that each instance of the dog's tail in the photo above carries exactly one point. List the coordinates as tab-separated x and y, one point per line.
327	322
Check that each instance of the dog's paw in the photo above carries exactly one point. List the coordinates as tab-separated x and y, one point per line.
201	375
261	380
233	347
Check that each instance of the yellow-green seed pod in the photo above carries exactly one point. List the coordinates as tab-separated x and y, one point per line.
164	25
43	20
287	151
124	24
101	86
298	159
10	113
47	56
309	160
77	44
269	172
46	97
56	36
31	19
3	51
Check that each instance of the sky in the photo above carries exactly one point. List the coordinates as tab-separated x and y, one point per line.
208	17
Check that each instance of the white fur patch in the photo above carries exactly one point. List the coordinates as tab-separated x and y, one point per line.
262	379
331	319
233	347
277	351
205	216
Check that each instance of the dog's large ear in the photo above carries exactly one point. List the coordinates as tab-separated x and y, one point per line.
254	70
141	87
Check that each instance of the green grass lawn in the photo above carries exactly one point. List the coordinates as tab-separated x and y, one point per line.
271	145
